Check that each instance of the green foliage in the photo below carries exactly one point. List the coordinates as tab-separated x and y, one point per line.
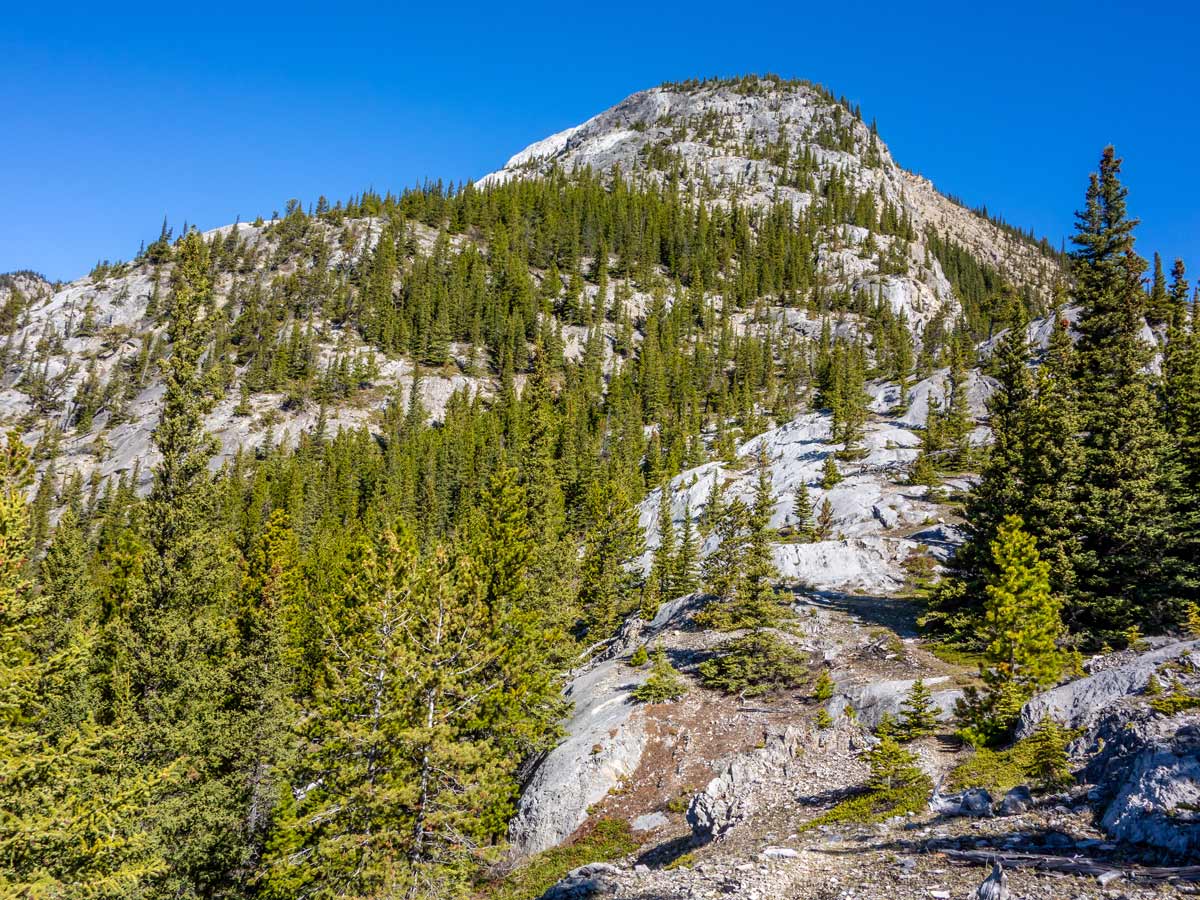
823	689
758	663
918	713
892	766
399	764
1021	628
829	473
608	839
996	770
1124	509
70	804
896	786
640	657
874	806
802	511
664	684
1093	450
1192	622
1177	701
1048	755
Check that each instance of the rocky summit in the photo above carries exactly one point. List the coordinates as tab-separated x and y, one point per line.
700	505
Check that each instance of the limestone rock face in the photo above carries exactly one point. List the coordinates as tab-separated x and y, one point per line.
1147	773
603	743
871	702
1078	704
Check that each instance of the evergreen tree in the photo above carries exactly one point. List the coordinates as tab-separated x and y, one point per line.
892	766
662	564
802	511
829	473
399	781
823	689
1125	519
723	567
612	542
70	810
685	579
664	683
824	526
756	604
1048	755
918	714
181	680
1022	625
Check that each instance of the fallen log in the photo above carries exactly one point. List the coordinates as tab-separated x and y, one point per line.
1073	865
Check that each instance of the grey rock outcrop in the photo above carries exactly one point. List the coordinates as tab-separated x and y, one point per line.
604	740
1147	776
1078	703
731	797
871	702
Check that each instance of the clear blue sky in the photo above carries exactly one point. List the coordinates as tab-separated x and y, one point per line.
116	114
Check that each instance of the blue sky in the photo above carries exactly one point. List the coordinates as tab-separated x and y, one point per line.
112	119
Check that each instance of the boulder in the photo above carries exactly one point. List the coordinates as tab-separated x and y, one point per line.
592	880
1016	801
975	803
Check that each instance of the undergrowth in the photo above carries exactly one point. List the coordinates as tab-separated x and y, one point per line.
875	806
609	839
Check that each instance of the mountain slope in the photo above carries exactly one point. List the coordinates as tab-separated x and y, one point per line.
763	141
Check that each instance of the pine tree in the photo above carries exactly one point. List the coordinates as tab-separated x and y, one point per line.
823	689
1031	470
664	684
756	604
829	473
892	767
613	540
1022	620
1048	755
1021	627
723	567
70	825
824	526
918	714
685	579
400	781
662	565
181	653
802	511
1125	519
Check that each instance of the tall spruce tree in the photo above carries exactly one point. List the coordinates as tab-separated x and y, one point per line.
185	676
1125	516
401	786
